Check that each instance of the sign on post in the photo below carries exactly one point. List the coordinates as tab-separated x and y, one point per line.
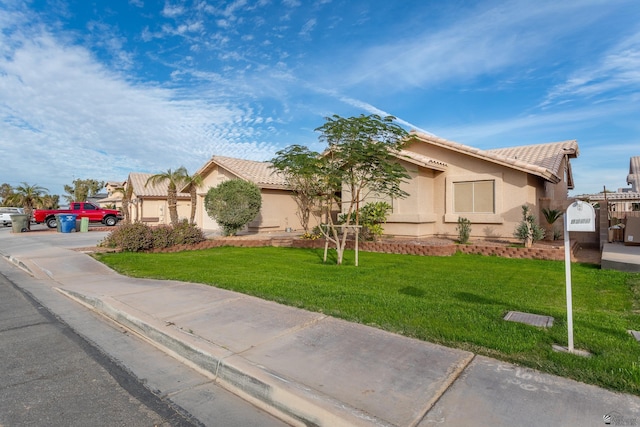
580	216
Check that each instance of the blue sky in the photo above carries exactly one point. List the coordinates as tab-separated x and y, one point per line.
98	89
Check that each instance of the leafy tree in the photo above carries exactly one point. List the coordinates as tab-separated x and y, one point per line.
300	167
193	181
174	179
528	230
358	162
82	189
6	190
233	204
28	197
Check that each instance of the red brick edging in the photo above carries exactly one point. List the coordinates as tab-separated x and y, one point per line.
545	253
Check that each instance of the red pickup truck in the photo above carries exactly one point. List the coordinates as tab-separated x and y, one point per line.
95	213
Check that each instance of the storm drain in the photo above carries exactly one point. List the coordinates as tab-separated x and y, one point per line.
529	319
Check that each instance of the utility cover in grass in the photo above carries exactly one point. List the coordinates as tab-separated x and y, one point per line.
635	334
529	319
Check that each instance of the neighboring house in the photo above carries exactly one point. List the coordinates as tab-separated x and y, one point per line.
633	179
449	180
149	202
625	199
115	193
279	209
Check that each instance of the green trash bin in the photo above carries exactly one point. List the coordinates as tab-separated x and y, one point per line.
84	225
19	223
58	222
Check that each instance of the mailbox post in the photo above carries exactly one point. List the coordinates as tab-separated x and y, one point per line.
580	216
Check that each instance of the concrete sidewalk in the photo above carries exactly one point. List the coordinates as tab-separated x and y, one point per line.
308	368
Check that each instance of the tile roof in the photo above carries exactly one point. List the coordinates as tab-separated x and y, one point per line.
141	189
619	196
421	160
260	173
634	173
543	160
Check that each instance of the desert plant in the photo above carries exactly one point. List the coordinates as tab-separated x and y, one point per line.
233	204
162	236
464	230
173	179
528	231
130	237
186	233
551	216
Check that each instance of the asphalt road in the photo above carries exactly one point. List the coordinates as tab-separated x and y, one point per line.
51	375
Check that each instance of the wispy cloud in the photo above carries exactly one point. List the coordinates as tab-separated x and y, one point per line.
172	10
113	124
617	71
476	43
307	28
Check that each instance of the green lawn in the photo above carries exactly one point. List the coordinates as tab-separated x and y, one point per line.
457	301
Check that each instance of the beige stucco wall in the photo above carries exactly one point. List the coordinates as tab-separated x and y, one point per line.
155	211
278	210
428	210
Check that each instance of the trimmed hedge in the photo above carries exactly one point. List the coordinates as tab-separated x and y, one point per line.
137	237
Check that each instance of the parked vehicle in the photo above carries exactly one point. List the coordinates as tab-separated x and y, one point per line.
6	212
95	213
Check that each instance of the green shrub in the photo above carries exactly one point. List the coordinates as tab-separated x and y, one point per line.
185	233
130	237
371	217
464	230
162	236
233	204
136	237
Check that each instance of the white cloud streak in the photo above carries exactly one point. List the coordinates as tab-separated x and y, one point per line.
68	116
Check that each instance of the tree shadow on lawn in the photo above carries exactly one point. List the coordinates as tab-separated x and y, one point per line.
412	291
477	299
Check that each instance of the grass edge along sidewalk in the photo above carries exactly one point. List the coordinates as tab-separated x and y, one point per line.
458	301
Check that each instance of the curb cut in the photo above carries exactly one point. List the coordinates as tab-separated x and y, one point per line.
19	264
290	401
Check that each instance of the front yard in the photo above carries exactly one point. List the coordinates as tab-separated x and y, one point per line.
458	301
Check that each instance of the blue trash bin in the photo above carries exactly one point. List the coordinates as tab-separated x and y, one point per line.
67	223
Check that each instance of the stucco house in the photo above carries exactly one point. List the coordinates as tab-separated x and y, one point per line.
149	202
115	193
279	209
633	179
625	201
449	180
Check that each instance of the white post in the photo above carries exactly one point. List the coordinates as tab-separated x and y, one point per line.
567	271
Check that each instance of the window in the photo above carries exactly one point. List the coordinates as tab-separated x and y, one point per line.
474	197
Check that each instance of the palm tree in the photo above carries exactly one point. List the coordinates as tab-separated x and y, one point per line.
193	182
175	178
127	189
551	216
28	197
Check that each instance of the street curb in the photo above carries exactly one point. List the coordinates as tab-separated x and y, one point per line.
290	401
19	264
